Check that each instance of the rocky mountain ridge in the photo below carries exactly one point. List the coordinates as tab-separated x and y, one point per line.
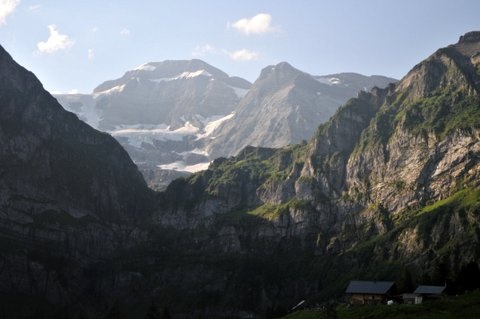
174	117
393	178
369	140
285	106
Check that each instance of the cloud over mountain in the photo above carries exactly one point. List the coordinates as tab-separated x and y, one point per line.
125	32
6	8
261	23
244	55
55	42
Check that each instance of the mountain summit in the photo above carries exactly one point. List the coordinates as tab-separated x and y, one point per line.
473	36
174	70
285	106
169	93
167	114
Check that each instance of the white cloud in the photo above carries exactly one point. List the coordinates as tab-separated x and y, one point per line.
244	55
125	32
6	8
90	54
34	7
55	42
261	23
73	91
239	55
202	50
94	29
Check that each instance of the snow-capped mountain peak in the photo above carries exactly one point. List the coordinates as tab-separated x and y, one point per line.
145	67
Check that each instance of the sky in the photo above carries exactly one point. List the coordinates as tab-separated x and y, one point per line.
73	46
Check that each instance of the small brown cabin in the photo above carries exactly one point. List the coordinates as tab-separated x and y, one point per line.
368	292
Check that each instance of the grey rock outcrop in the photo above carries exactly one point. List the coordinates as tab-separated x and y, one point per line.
65	189
369	174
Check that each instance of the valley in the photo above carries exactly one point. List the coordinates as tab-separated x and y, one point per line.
384	187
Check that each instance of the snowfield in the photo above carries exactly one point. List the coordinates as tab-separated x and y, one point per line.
115	89
329	81
139	134
212	123
180	166
145	67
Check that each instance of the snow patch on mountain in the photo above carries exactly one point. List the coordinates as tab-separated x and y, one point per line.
190	75
239	91
115	89
140	134
161	80
180	166
146	67
195	151
184	75
212	123
329	81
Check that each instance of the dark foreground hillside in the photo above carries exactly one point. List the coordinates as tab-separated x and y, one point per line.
464	306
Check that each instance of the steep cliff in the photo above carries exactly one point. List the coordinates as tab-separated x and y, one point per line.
389	185
47	154
69	195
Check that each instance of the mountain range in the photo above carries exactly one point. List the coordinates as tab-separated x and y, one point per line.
175	117
387	189
285	106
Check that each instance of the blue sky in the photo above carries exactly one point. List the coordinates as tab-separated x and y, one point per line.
76	45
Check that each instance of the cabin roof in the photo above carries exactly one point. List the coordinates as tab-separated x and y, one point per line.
369	287
429	290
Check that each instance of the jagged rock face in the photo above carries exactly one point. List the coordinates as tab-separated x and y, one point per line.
420	145
431	144
373	171
47	154
285	106
64	189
